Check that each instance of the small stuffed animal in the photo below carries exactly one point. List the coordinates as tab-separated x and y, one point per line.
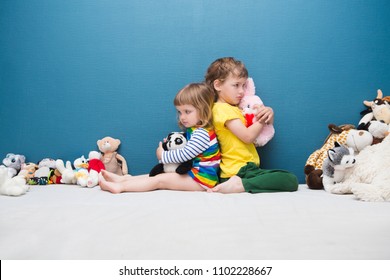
81	171
68	176
376	118
55	176
95	165
352	138
14	186
174	141
246	105
369	179
339	158
313	166
113	161
42	174
28	171
13	163
359	139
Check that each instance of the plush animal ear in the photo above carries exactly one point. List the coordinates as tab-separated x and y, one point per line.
22	158
334	128
336	144
164	145
331	154
379	94
169	135
250	87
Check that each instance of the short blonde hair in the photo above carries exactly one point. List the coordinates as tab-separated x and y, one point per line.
221	68
201	96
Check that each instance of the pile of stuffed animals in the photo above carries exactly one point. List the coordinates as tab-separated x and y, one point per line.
355	161
16	175
351	160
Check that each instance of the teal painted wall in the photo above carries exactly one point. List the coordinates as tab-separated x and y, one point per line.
72	72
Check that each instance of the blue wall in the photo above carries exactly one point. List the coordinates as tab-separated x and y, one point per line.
72	72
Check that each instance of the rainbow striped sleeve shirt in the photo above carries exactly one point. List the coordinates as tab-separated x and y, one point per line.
203	149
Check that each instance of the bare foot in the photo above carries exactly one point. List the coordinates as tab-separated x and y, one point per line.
112	177
233	185
112	187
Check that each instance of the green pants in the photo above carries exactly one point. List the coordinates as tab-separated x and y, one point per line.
257	180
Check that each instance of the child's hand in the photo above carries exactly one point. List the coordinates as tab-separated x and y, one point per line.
159	151
265	115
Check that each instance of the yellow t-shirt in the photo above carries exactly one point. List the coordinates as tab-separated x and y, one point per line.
234	153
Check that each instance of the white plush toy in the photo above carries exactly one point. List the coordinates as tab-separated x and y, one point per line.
81	171
376	118
369	179
246	105
95	166
67	174
14	186
339	159
358	140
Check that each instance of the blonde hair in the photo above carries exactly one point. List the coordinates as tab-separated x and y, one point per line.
201	96
221	68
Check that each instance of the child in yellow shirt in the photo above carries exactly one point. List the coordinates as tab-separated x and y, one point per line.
240	171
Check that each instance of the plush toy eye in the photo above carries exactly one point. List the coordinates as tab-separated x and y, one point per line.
178	141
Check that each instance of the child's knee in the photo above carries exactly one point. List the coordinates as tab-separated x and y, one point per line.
290	182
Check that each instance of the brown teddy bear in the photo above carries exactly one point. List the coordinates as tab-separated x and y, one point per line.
113	161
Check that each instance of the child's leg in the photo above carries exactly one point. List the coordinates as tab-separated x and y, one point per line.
143	183
252	179
112	177
233	185
271	181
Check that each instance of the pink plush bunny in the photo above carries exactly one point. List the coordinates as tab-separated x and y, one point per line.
246	105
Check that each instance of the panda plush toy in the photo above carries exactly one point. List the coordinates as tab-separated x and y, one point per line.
174	141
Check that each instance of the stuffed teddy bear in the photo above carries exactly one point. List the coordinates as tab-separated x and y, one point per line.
113	161
369	179
95	165
68	175
339	159
246	105
344	135
174	141
376	118
13	186
13	163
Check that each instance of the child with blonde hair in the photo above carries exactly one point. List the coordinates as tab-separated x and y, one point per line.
193	104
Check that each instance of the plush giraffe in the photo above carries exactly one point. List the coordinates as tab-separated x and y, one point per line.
313	167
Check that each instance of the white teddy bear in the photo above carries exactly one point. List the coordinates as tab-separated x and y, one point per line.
369	179
14	186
